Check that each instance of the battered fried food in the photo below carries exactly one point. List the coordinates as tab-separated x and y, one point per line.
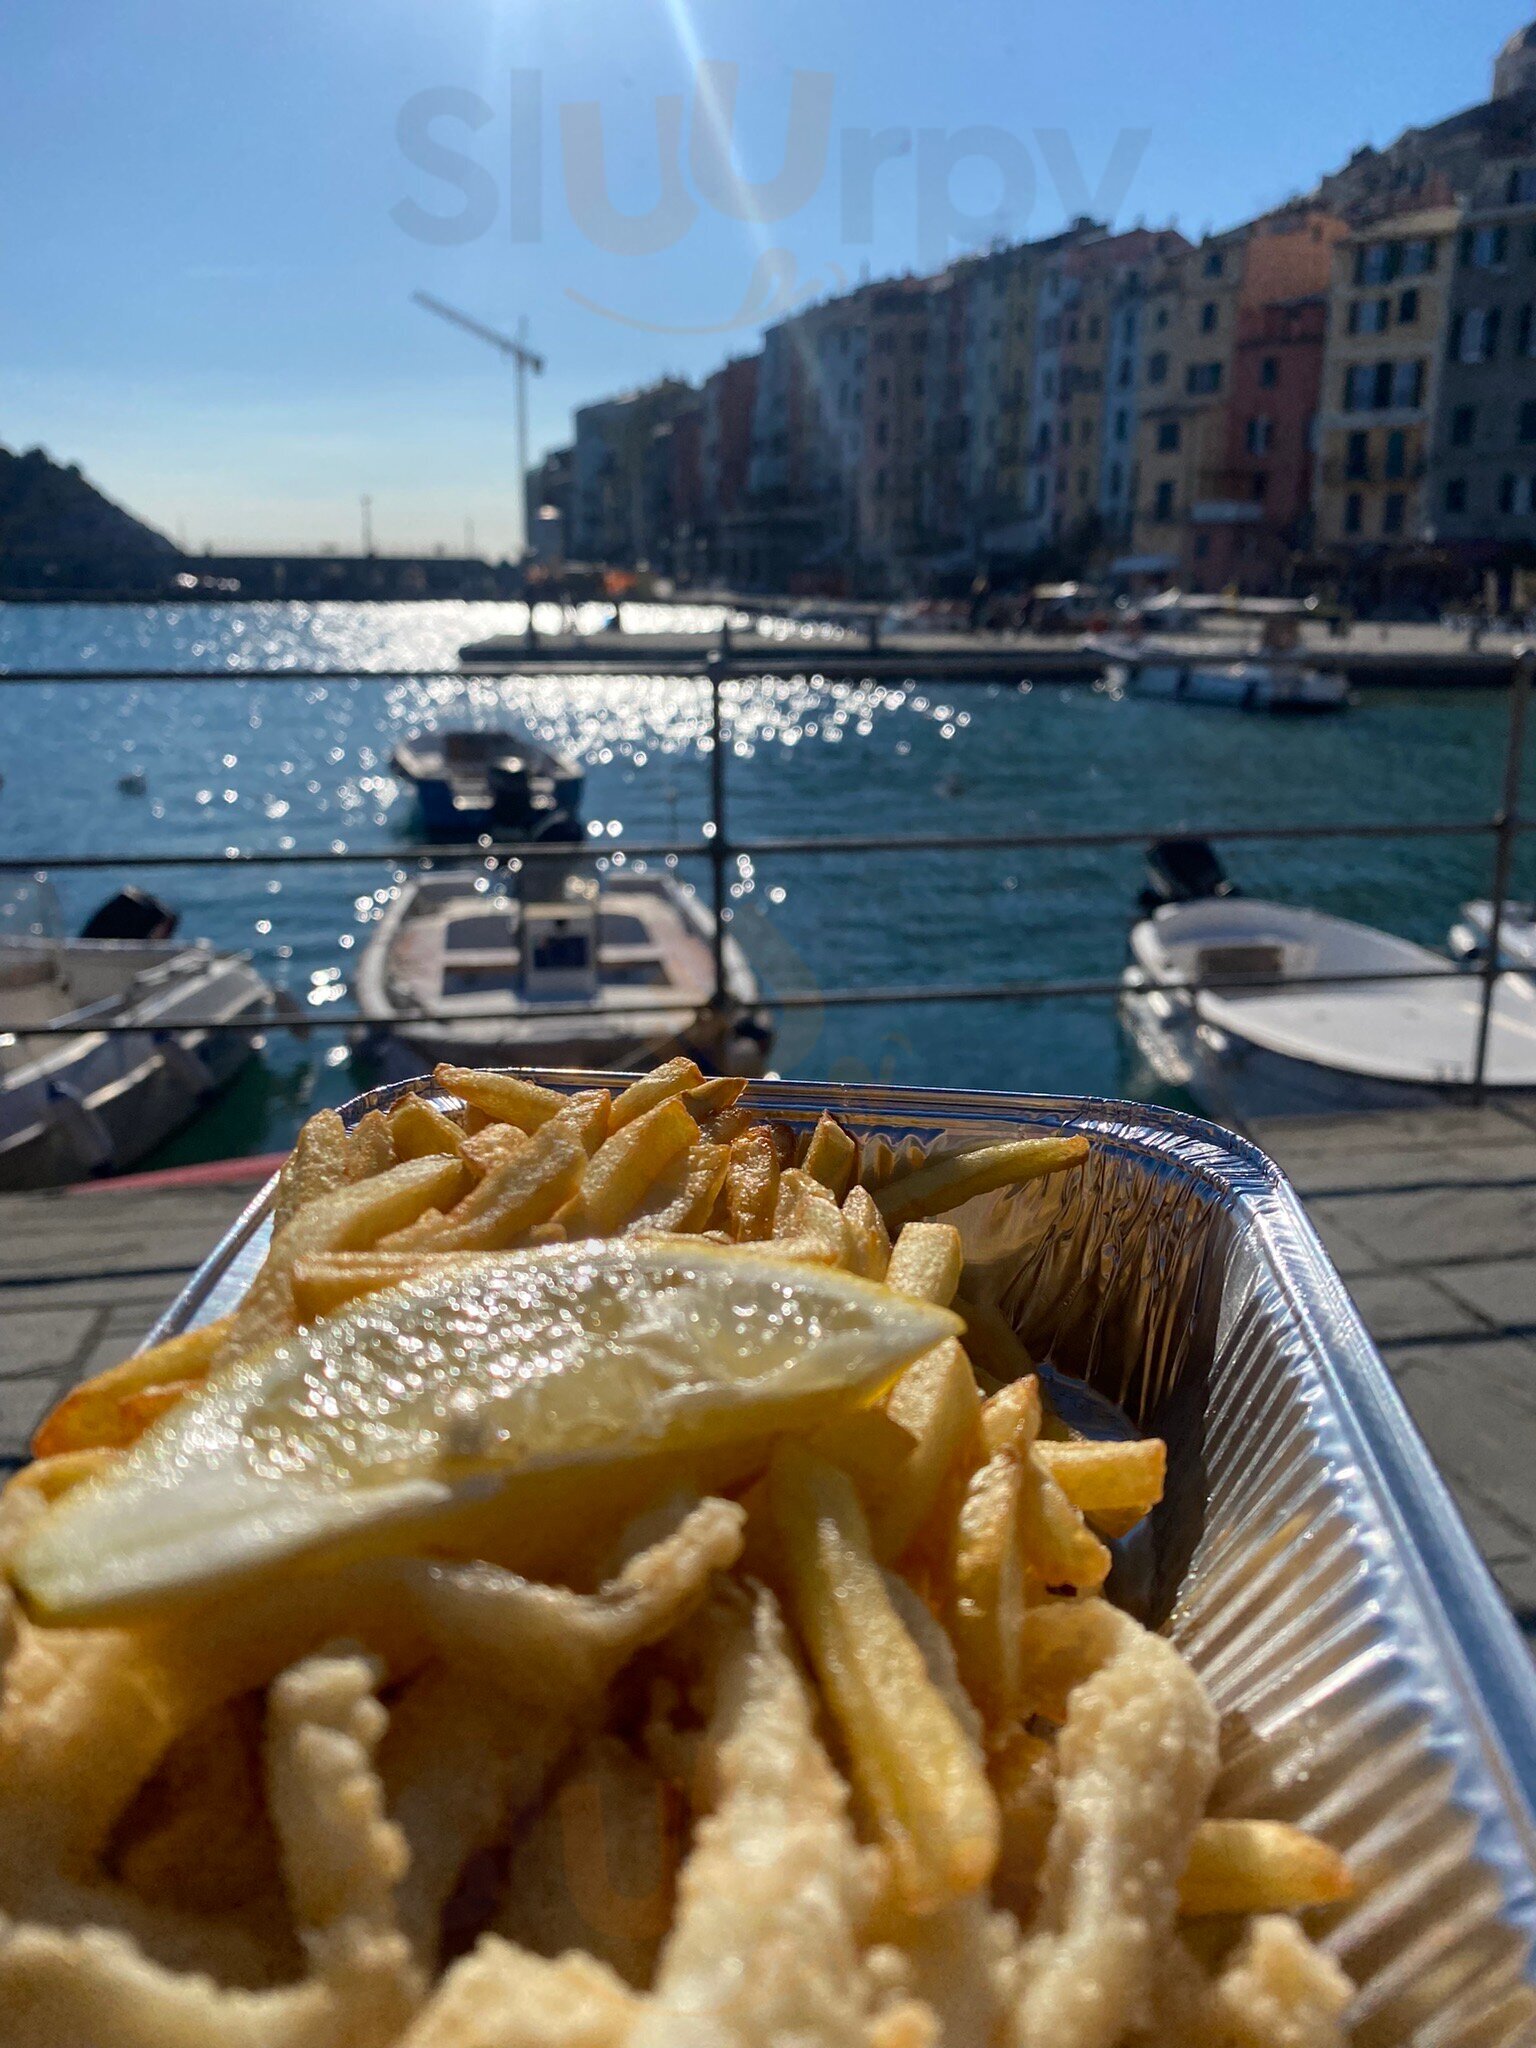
716	1672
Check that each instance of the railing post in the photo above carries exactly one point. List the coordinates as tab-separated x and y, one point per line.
717	843
1506	834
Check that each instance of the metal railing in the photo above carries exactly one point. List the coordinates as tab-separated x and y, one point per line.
717	847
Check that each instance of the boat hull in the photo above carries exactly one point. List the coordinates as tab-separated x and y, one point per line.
101	1103
1237	1083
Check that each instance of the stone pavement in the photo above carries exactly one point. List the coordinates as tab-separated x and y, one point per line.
1430	1216
83	1275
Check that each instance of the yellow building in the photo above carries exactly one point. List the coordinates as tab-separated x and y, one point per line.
1386	330
1190	334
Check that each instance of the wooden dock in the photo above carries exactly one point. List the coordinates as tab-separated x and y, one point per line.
1430	1217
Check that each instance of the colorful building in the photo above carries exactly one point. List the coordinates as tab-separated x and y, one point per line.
1387	326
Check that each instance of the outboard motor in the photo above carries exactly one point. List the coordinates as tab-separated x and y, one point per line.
132	914
1183	871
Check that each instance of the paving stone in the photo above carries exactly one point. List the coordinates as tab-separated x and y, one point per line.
1326	1171
1349	1253
1476	1407
34	1338
1432	1229
1502	1291
23	1404
1397	1307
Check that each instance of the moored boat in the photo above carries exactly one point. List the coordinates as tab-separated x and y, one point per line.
1468	937
1260	1009
488	972
113	1043
1260	684
468	783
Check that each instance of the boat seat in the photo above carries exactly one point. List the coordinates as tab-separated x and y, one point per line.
1229	966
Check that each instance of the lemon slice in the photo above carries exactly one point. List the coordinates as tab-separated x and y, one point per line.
454	1387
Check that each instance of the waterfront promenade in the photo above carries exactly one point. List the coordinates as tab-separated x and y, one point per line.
1429	1216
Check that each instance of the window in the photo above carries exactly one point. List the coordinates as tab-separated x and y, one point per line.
1202	546
1357	456
1506	494
1124	374
1408	307
1522	186
1210	313
1094	328
1122	424
1164	505
1269	373
1215	263
1260	486
1528	421
1085	432
1203	379
1072	331
1407	385
1418	259
1066	433
1376	263
1397	454
1162	317
1354	512
1484	248
1082	483
1463	426
1526	334
1392	512
1167	437
1260	436
1456	494
1116	479
1128	328
1369	316
1157	369
1475	335
883	388
1359	387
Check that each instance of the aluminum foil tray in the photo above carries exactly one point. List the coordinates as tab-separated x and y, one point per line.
1307	1558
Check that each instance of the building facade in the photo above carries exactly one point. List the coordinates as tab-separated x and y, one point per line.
1387	325
611	518
1482	478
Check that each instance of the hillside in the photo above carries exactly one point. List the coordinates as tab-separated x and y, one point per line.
58	533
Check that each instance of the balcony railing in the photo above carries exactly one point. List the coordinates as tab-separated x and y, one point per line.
721	850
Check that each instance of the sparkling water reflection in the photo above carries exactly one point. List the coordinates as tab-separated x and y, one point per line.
231	765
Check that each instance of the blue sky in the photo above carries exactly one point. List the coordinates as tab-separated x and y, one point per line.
213	223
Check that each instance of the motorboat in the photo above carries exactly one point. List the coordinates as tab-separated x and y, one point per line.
1258	684
112	1041
469	783
1517	934
1260	1009
554	967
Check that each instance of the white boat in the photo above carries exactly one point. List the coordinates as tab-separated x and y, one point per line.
1517	934
481	972
1261	684
78	1098
1225	998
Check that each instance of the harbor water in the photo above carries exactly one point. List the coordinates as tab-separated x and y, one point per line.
280	766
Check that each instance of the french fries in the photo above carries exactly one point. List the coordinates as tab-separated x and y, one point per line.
95	1416
751	1185
910	1759
418	1129
946	1182
674	1077
987	1589
869	1242
505	1098
627	1165
1260	1866
843	1673
537	1180
831	1157
927	1262
936	1403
